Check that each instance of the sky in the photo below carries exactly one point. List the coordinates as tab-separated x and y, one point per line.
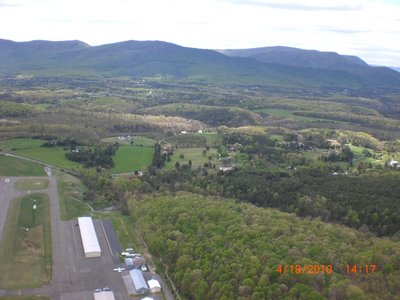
369	29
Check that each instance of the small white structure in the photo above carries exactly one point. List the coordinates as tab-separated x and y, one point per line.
154	286
90	243
104	295
393	163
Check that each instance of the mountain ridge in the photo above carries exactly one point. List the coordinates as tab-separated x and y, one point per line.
159	58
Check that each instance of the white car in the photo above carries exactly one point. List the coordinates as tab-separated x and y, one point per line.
6	180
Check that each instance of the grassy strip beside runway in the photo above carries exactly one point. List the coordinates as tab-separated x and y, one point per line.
31	184
11	166
25	251
71	192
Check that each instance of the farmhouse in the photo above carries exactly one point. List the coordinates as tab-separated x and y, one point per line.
90	243
138	281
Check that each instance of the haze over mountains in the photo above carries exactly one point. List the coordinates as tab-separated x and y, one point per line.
277	66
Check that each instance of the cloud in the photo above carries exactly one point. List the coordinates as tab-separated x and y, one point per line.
296	5
7	4
342	30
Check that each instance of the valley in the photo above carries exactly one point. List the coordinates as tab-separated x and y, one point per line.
218	168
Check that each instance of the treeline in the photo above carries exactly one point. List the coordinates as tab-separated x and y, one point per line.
96	156
364	120
221	249
11	109
210	115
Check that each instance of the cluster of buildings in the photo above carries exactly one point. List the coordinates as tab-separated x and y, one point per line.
134	262
141	285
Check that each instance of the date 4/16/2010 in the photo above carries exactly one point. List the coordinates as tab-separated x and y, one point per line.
323	269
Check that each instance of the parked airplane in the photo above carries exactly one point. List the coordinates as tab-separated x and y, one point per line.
119	270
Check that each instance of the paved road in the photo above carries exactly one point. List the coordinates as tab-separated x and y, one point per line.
74	276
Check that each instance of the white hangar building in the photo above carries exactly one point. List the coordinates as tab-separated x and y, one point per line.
90	243
105	295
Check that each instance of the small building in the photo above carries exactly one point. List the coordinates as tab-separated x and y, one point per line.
90	243
104	295
129	261
138	281
154	286
226	168
393	163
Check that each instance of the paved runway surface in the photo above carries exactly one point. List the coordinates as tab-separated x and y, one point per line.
74	276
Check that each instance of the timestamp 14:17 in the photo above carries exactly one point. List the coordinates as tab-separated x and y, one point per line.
365	269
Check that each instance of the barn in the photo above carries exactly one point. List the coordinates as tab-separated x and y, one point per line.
90	243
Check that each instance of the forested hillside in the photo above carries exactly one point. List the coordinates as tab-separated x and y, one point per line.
220	249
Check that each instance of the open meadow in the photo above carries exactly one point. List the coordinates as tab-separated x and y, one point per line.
32	148
131	158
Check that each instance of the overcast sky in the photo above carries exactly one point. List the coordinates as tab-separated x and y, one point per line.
369	29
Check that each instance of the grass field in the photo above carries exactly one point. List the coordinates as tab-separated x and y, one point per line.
11	166
286	114
137	141
54	156
212	138
31	184
131	158
71	193
32	148
22	143
193	154
124	227
25	251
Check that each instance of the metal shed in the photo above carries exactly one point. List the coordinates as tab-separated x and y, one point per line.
154	286
138	281
90	243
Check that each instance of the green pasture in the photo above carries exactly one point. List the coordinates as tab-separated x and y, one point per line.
11	166
31	148
71	192
131	158
193	154
212	138
25	251
54	156
20	143
286	114
31	184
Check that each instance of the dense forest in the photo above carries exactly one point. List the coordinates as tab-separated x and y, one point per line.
221	249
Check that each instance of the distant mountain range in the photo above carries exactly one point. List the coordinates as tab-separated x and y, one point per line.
277	66
396	68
